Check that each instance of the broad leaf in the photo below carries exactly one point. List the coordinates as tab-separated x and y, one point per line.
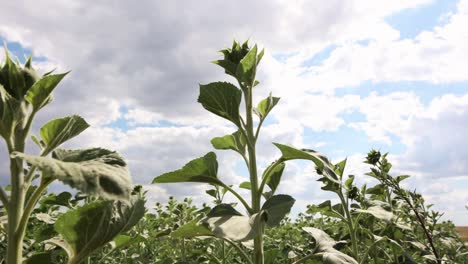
235	227
93	225
223	210
277	207
222	99
203	169
40	93
322	163
378	212
96	171
192	229
325	248
265	106
235	141
57	131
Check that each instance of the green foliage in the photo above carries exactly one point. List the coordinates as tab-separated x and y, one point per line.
23	93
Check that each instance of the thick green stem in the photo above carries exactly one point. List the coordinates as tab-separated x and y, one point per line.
349	222
15	210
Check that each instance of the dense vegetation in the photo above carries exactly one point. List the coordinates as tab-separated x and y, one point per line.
105	221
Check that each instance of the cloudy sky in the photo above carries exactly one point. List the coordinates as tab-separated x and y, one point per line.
352	75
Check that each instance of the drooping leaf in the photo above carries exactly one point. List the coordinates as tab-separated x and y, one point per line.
265	106
203	169
246	69
235	227
91	226
325	248
274	175
290	153
40	93
378	212
57	131
192	229
222	99
277	207
96	171
235	141
222	210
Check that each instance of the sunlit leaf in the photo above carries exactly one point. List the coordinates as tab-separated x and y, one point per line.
57	131
203	169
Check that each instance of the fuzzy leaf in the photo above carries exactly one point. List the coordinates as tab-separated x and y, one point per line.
57	131
325	248
222	99
203	169
277	207
91	226
96	171
235	227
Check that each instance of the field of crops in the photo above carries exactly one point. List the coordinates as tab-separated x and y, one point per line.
109	220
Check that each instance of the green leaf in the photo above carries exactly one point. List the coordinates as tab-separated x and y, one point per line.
290	153
246	69
277	207
274	176
57	131
246	185
265	106
62	199
349	182
93	225
235	141
121	241
211	192
192	229
95	171
339	168
325	209
228	66
222	210
9	113
222	99
40	94
203	170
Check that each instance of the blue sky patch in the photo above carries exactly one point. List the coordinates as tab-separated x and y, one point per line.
426	91
20	52
411	22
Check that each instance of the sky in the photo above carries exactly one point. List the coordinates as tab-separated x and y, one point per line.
352	76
